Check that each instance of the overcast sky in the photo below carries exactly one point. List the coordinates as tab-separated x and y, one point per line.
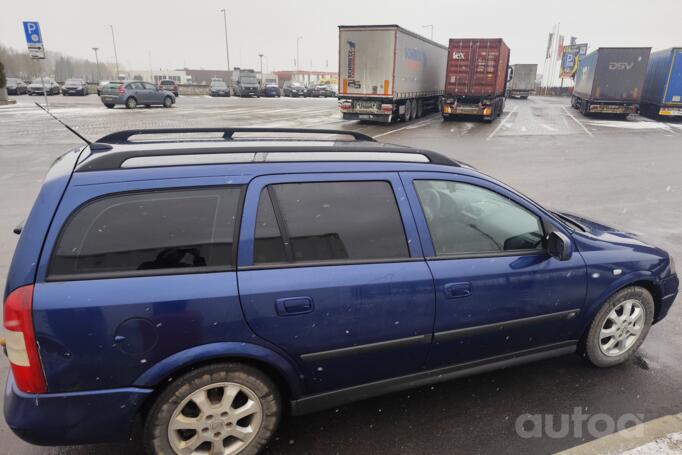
190	33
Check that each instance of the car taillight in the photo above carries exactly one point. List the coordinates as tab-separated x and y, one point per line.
22	349
121	89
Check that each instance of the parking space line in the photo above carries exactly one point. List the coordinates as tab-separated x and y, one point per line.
413	126
577	121
502	123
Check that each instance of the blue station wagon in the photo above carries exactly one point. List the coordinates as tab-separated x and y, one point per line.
204	288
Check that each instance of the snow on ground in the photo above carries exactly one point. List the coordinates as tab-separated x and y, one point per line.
668	445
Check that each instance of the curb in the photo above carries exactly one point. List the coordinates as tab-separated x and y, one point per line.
632	438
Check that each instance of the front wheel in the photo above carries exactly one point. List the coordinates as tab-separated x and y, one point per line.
225	408
619	328
167	101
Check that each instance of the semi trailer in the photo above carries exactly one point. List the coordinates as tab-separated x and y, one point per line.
387	73
662	93
522	82
610	80
476	78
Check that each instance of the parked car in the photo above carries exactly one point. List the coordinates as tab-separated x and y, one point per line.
16	86
271	90
205	288
218	88
134	93
39	86
293	89
320	90
169	85
103	84
75	87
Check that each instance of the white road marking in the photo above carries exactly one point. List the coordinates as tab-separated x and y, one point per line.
408	127
501	123
547	127
577	121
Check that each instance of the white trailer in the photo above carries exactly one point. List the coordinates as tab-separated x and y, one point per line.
387	73
522	83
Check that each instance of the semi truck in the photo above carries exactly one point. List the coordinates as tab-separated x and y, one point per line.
387	73
245	83
476	78
662	93
610	80
522	82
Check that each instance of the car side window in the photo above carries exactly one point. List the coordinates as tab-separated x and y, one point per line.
329	221
467	219
148	86
135	233
135	86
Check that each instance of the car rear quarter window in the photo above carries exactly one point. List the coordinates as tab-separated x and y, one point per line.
467	219
145	233
329	221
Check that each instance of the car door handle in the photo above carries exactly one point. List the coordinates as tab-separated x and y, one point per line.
294	305
457	290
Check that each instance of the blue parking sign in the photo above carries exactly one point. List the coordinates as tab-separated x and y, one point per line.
32	32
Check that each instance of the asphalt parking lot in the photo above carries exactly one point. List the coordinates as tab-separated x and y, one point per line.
624	173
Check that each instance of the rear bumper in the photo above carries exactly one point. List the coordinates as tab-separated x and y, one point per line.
372	117
72	418
111	99
605	108
670	111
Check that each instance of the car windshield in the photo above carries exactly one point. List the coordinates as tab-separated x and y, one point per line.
248	80
73	81
39	80
218	84
272	86
167	83
296	84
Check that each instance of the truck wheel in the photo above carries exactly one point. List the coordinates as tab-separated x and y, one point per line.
619	328
220	408
406	114
420	108
584	107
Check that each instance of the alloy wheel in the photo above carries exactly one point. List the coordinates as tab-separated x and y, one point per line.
622	327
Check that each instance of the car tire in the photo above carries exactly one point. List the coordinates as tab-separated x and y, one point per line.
594	346
109	106
168	102
131	103
207	382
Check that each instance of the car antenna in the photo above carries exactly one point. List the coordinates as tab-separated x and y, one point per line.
65	125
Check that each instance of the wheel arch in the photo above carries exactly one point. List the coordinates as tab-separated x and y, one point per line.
642	279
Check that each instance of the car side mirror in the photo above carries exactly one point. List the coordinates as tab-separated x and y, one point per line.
559	246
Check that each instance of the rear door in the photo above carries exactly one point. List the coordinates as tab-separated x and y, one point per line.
330	270
673	92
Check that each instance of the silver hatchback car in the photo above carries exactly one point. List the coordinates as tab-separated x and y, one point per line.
134	93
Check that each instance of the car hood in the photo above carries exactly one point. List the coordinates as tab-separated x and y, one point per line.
598	235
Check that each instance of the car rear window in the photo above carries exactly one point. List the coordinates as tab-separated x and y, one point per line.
167	83
145	233
328	221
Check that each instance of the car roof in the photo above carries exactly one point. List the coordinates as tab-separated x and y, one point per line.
167	147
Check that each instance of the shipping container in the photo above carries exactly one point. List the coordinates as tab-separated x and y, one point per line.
610	80
387	73
476	78
662	93
522	82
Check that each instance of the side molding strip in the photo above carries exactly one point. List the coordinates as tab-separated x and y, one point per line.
365	348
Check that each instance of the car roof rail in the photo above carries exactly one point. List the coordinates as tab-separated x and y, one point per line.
123	137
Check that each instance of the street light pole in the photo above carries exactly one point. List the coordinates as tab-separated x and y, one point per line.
113	38
431	26
262	78
99	75
298	53
227	47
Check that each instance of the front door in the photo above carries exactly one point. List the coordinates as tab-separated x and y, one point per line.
497	290
331	270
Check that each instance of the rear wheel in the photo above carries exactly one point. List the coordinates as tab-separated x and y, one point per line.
225	408
109	106
420	108
131	103
167	101
619	328
407	116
